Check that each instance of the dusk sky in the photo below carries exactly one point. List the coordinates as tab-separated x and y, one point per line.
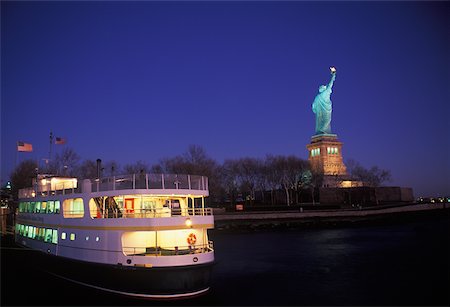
129	81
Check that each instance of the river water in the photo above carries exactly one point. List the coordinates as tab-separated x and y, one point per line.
393	263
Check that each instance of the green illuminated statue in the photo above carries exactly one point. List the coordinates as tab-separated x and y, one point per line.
322	106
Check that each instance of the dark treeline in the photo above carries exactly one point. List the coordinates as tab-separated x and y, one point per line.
271	180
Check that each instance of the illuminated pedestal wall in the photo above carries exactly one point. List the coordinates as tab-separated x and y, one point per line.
325	156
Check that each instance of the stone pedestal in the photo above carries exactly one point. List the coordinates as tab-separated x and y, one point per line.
325	156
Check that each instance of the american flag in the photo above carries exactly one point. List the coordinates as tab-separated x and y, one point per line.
22	146
60	141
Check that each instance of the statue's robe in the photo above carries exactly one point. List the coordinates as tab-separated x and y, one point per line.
322	107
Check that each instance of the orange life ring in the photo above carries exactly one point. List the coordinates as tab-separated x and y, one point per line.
191	239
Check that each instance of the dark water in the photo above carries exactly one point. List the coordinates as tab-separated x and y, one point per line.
395	263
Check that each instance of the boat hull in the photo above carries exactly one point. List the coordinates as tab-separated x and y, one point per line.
174	282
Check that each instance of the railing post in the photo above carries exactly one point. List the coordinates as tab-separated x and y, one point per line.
114	183
189	181
146	181
203	205
134	181
162	181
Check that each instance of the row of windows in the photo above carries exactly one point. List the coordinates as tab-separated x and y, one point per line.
48	235
315	152
72	237
332	150
50	207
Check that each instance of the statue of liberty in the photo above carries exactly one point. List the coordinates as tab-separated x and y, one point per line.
322	106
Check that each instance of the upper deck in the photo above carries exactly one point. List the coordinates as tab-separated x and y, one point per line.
157	184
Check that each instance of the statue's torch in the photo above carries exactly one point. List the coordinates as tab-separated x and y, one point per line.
333	69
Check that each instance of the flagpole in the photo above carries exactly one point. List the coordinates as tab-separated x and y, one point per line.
15	160
50	151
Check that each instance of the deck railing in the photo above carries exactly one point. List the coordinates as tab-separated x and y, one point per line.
150	213
122	182
169	251
151	181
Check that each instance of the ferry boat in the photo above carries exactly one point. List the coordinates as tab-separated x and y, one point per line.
141	235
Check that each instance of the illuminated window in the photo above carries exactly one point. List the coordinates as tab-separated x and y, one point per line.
87	238
97	239
57	206
55	236
41	234
73	208
51	206
30	232
315	152
44	207
72	237
48	235
35	232
63	236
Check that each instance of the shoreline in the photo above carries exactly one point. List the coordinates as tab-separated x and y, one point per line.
325	218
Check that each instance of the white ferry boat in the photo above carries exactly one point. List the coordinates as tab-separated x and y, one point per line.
142	235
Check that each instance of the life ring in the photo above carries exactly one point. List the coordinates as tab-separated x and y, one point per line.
191	239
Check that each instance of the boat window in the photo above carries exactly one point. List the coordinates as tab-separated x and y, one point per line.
37	208
95	206
73	208
57	206
41	234
32	207
63	236
30	232
55	236
50	206
48	235
44	207
72	237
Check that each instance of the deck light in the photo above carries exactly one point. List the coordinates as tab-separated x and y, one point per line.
188	222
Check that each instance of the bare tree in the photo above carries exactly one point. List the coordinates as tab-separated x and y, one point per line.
87	169
373	177
194	161
111	168
65	163
22	176
140	167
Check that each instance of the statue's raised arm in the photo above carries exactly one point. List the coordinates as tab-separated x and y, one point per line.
333	77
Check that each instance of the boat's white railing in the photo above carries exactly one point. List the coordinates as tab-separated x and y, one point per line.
149	213
151	182
168	250
122	182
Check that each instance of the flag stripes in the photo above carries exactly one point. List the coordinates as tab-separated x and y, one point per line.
60	141
24	147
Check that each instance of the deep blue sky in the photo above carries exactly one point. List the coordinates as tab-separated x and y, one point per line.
131	81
